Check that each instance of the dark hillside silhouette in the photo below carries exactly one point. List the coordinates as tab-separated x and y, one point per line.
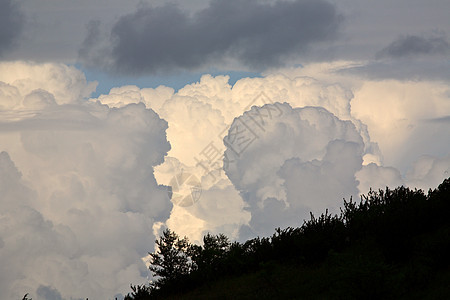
392	244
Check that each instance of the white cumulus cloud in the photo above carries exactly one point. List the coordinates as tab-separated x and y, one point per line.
287	162
79	198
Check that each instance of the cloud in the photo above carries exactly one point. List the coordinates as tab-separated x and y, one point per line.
79	199
444	120
424	173
67	84
28	239
255	34
391	117
395	113
50	36
424	69
287	161
93	37
414	45
373	176
428	171
86	174
46	292
11	24
410	57
199	116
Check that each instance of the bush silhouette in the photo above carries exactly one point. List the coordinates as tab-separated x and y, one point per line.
386	245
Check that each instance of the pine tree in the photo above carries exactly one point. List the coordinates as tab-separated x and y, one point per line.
170	261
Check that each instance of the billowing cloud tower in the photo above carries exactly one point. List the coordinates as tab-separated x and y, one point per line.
78	196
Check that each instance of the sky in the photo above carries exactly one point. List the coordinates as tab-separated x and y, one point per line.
121	118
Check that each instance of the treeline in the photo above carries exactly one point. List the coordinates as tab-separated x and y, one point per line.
386	245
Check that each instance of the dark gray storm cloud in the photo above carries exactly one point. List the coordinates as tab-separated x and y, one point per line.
402	69
48	293
409	57
412	45
442	120
11	22
93	36
256	34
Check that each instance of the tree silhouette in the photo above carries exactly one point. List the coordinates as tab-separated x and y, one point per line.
140	292
170	262
391	244
210	258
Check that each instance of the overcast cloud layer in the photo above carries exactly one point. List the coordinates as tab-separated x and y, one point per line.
412	45
11	23
255	34
54	30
